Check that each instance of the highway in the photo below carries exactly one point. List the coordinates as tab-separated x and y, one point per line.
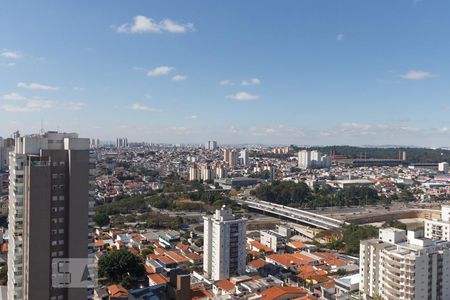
290	213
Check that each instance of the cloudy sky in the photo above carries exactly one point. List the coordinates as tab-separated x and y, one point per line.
294	71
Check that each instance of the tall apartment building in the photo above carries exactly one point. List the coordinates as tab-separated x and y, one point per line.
206	172
243	157
194	173
121	142
313	159
2	154
6	145
50	212
443	167
230	156
439	229
404	265
224	245
211	145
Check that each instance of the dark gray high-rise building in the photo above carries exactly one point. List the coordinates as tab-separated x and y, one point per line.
50	212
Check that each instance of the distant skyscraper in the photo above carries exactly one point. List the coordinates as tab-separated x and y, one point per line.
50	212
443	167
224	245
194	173
211	145
243	157
121	142
207	173
313	159
230	156
2	154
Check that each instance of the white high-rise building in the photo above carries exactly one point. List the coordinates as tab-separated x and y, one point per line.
2	154
243	157
313	159
207	173
439	229
224	245
211	145
220	172
50	212
121	142
304	159
404	265
443	167
194	173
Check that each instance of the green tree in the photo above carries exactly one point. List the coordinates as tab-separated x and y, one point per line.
121	266
101	219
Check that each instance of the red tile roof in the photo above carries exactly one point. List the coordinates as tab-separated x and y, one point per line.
280	292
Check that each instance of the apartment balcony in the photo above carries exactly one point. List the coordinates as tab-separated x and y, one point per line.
393	270
392	291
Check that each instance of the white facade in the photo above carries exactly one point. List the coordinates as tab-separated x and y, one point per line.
273	240
443	167
404	265
313	159
224	245
243	157
194	173
2	154
207	173
211	145
439	229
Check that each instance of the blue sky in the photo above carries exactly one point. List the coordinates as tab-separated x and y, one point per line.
276	72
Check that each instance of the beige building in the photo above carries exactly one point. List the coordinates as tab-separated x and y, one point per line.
50	212
404	265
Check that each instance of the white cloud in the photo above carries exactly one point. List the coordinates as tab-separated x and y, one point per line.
31	105
161	70
142	107
172	26
417	75
143	24
13	96
226	82
72	105
36	86
179	78
340	37
243	96
10	54
251	81
192	117
444	130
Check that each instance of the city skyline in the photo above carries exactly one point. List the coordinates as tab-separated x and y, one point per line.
295	72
